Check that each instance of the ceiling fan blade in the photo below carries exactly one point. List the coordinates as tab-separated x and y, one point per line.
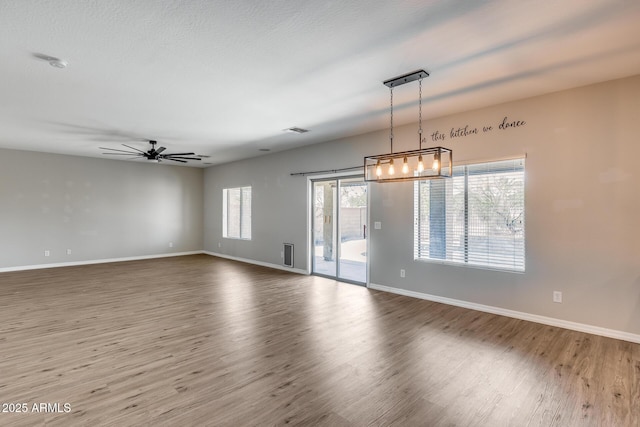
180	154
123	154
115	149
175	160
180	157
160	150
134	148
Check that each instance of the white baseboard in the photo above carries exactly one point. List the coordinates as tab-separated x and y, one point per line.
260	263
580	327
96	261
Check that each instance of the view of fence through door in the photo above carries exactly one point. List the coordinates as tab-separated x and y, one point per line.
340	229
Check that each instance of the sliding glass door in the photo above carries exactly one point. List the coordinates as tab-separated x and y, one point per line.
340	229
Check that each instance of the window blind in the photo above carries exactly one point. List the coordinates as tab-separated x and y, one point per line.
475	218
236	213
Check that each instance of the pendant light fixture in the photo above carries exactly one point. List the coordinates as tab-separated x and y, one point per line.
423	163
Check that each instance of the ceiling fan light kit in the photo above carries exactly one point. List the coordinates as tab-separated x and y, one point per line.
423	163
154	155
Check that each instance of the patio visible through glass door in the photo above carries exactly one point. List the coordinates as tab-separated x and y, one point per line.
340	229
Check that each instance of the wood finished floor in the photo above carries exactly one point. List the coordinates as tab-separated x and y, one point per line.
198	340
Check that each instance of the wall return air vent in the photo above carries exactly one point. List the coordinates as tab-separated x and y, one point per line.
287	258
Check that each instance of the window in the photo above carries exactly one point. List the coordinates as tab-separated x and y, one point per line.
236	213
474	218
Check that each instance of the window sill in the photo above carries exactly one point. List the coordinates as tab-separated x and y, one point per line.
465	265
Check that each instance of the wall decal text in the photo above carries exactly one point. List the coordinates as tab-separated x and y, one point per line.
467	130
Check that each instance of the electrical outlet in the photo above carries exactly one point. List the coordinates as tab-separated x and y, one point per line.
47	252
402	273
219	244
557	296
68	251
282	254
377	225
170	244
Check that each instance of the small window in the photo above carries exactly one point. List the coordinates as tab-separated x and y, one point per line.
474	218
236	213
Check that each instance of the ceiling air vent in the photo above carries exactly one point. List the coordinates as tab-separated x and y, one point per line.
296	130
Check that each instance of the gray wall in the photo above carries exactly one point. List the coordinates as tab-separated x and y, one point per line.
98	208
582	204
279	201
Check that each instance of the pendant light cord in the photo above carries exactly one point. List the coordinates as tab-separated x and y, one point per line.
420	113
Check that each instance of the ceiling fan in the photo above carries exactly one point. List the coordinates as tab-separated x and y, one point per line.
154	154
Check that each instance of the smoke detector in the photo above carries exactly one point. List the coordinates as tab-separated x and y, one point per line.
58	63
52	60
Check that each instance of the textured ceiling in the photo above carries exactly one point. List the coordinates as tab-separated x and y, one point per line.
224	78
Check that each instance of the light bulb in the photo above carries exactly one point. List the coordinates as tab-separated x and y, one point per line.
391	168
378	169
436	162
405	166
420	163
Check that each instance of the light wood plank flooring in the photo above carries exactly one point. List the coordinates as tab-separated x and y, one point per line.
198	340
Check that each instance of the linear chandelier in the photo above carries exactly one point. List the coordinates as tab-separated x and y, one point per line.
423	163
